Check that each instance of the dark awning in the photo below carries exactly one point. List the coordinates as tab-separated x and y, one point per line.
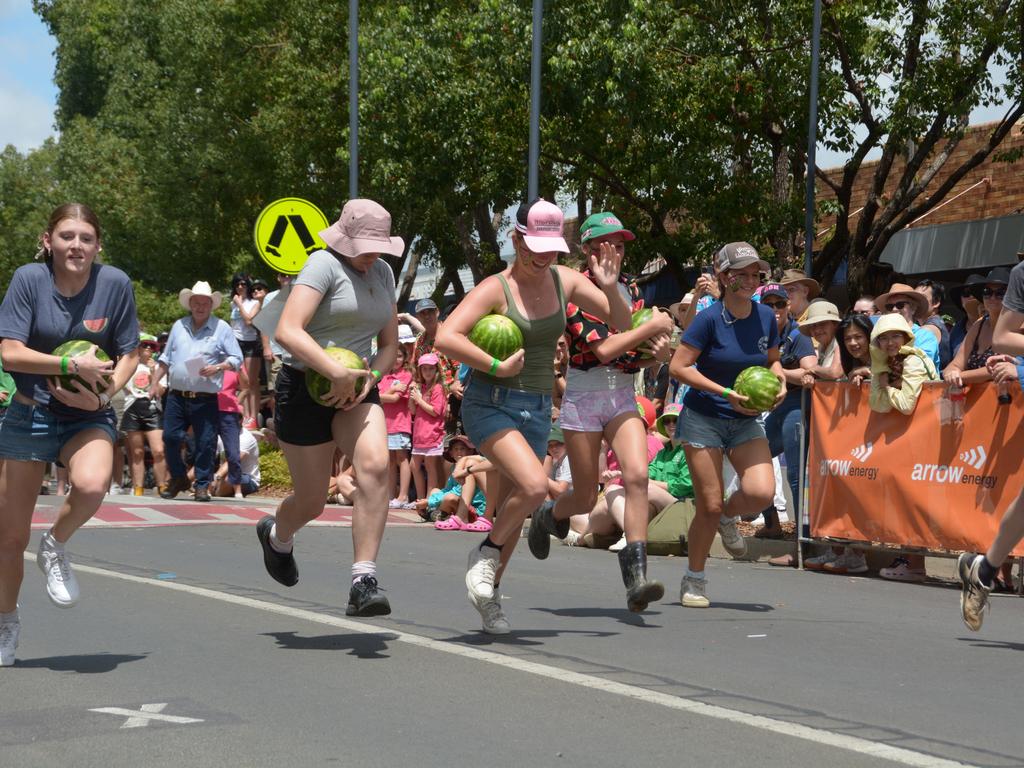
958	246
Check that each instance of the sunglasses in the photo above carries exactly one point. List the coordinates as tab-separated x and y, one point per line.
776	304
864	312
997	292
897	306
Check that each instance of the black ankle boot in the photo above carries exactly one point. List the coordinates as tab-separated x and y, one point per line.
639	590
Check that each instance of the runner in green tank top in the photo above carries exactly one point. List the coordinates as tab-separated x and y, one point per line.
506	407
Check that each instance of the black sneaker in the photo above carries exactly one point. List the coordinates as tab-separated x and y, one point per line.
202	494
365	599
281	567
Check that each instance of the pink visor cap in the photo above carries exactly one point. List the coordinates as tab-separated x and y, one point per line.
543	232
363	227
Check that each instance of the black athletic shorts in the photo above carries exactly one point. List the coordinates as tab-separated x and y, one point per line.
251	348
142	416
298	419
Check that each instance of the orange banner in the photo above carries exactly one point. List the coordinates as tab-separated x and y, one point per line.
925	480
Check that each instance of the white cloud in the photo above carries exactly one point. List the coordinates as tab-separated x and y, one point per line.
28	117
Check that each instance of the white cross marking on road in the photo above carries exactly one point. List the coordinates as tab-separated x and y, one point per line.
147	714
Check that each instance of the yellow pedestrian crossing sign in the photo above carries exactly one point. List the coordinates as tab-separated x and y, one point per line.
286	233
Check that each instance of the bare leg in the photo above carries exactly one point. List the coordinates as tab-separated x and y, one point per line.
137	455
19	486
418	477
362	436
89	458
628	439
583	450
1011	530
706	470
155	437
310	467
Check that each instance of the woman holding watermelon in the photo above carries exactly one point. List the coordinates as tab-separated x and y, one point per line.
724	340
600	402
506	407
61	411
345	296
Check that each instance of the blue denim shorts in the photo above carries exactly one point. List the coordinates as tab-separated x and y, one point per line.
399	441
33	433
702	431
489	408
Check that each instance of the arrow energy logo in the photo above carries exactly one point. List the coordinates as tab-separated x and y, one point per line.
862	452
975	457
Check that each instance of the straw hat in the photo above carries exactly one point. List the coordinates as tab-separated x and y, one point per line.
904	290
798	276
892	322
819	312
678	309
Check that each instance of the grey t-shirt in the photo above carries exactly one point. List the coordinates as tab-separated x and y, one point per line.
355	307
102	313
1014	298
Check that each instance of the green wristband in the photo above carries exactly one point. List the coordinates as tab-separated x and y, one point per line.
726	392
64	365
376	374
494	365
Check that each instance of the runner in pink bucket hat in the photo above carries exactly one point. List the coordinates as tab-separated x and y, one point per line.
363	227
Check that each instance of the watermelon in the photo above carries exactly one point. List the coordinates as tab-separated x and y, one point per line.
640	317
496	335
318	385
75	348
760	385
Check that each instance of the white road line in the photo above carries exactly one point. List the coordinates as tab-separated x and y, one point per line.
771	725
143	717
151	515
231	517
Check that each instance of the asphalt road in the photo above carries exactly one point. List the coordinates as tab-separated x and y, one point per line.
184	652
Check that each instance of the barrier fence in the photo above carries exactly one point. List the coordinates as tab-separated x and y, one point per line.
926	481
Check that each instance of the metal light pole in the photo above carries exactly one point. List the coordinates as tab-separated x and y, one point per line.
812	141
353	99
533	183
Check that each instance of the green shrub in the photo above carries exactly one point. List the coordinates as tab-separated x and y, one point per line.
273	467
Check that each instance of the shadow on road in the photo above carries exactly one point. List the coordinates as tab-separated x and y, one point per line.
1002	644
619	614
86	663
745	607
359	645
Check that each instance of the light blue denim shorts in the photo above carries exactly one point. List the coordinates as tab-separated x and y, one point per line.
700	431
399	441
489	408
33	433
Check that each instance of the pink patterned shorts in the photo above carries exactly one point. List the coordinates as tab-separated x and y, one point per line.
592	411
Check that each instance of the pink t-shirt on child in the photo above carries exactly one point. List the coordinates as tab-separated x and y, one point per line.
396	414
427	430
654	446
227	398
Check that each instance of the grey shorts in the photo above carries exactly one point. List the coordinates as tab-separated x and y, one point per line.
700	431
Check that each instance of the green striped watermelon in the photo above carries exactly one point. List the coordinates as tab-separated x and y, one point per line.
74	348
317	384
760	385
496	335
640	317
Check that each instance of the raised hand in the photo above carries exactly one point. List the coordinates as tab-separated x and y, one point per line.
605	264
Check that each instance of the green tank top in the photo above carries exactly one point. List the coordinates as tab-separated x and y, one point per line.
540	337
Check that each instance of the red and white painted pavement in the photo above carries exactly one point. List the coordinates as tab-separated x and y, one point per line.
148	511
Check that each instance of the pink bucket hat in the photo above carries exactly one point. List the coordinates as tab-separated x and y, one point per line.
542	230
363	227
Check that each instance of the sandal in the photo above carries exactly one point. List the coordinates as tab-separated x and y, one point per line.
480	525
783	561
449	524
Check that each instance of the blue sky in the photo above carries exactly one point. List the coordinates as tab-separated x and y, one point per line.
28	95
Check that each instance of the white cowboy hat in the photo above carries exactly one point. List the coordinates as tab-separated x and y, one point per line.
201	288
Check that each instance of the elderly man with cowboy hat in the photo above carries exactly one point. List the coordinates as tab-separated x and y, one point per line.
199	349
801	290
914	307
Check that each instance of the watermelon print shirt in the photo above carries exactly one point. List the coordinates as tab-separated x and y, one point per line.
34	313
583	329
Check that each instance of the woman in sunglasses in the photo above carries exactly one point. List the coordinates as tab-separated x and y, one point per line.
968	364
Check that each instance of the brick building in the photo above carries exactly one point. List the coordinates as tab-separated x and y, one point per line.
979	225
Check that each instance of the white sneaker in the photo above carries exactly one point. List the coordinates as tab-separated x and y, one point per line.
848	562
395	504
61	584
116	490
482	567
573	539
693	592
819	562
9	640
619	545
494	620
734	544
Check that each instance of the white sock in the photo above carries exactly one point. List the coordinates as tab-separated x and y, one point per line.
363	568
284	547
695	574
59	546
725	519
6	617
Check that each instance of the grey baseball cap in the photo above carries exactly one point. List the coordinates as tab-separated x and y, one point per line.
423	304
738	256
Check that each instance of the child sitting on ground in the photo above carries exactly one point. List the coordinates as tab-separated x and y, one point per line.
460	505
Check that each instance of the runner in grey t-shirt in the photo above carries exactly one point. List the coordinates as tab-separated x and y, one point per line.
344	296
977	572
